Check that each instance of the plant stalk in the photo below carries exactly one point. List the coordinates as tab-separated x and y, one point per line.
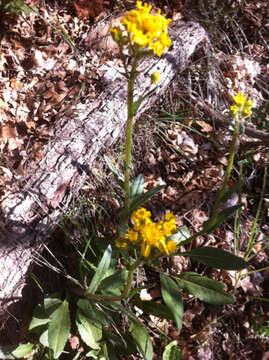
128	141
221	193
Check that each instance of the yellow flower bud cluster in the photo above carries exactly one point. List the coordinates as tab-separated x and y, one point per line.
241	106
144	29
149	234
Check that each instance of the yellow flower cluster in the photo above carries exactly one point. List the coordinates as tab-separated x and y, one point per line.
148	233
241	106
145	29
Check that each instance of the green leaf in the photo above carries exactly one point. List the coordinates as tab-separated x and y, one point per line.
15	351
44	338
26	10
137	103
90	311
217	258
172	298
59	329
119	344
5	351
222	216
137	188
115	172
210	291
143	342
23	350
142	339
39	317
43	311
90	333
112	285
172	352
182	235
51	303
140	200
93	354
153	308
100	272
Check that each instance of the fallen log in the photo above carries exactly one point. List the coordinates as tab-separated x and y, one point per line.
28	216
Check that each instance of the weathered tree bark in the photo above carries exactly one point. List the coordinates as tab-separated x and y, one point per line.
95	126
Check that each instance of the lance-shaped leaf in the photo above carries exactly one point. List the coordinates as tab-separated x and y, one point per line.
140	200
150	307
138	332
101	270
216	258
172	352
137	103
208	290
172	298
42	312
115	172
59	329
182	234
142	339
90	332
15	351
137	188
222	216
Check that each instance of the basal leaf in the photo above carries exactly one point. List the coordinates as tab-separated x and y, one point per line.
59	329
39	317
216	258
90	333
153	308
172	352
44	339
15	351
119	344
113	284
172	298
210	291
142	339
100	272
90	311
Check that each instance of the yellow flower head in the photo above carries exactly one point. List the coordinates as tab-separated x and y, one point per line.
132	236
121	242
241	107
145	29
141	216
239	99
149	234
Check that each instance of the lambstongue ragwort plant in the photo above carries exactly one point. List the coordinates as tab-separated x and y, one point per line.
98	303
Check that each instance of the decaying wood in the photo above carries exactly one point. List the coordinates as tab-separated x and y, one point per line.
95	126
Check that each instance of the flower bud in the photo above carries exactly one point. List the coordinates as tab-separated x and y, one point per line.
155	77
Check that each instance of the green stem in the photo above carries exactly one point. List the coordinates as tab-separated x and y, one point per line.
128	142
221	193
